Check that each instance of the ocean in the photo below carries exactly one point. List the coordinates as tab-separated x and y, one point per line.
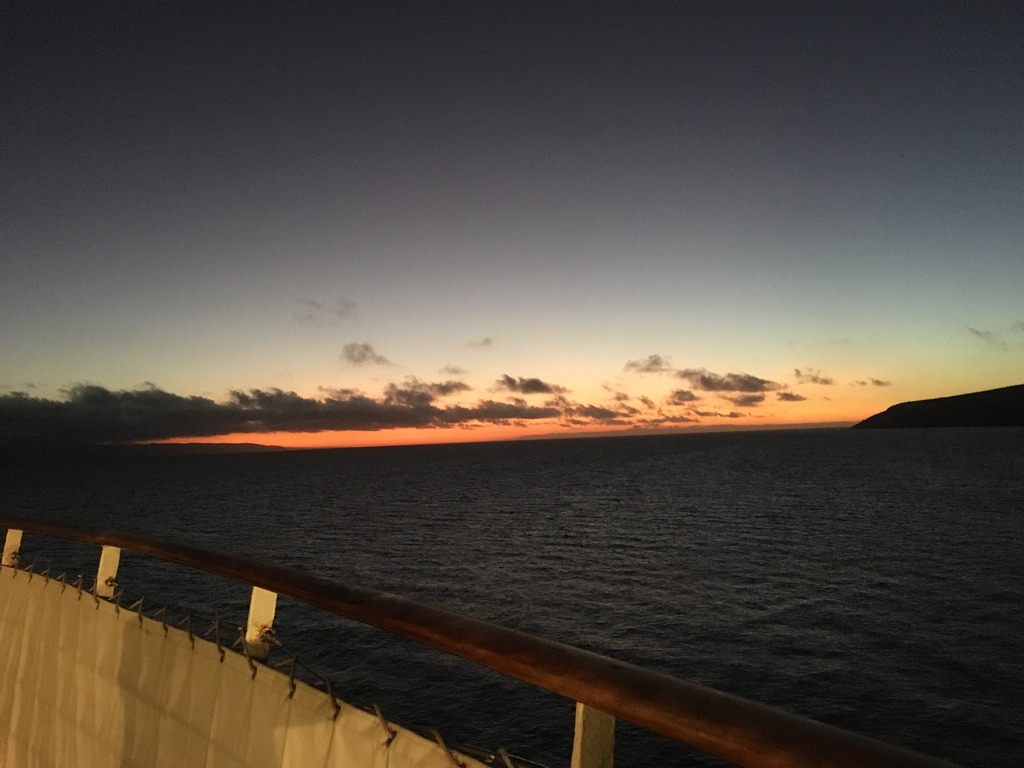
868	579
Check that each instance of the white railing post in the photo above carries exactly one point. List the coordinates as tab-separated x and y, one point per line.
593	746
106	574
260	627
11	546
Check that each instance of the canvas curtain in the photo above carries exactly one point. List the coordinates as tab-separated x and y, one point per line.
83	683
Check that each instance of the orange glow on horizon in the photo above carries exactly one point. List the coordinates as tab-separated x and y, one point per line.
382	437
494	433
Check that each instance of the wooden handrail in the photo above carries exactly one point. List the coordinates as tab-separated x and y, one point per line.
736	729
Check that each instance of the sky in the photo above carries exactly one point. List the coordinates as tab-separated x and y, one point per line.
390	223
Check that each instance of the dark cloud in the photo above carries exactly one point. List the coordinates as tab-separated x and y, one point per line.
701	378
681	397
675	420
340	394
746	401
573	412
414	392
528	386
491	411
648	403
809	376
93	415
790	397
989	337
485	342
314	312
619	397
730	415
873	383
361	353
593	412
650	364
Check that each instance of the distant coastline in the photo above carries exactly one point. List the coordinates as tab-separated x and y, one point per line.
128	450
1003	407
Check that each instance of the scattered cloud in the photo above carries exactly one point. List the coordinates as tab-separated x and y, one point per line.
619	397
648	403
790	397
809	376
528	386
594	412
747	400
872	383
708	414
414	392
491	411
361	353
701	378
314	312
998	340
453	370
650	364
681	397
989	337
485	342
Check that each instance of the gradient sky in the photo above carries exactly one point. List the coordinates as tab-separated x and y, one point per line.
449	221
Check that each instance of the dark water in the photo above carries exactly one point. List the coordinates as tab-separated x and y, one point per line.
868	579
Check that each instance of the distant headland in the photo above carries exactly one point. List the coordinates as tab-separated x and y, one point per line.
1002	407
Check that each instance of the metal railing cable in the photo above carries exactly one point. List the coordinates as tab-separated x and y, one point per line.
727	726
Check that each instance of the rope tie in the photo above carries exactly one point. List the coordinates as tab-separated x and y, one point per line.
291	677
334	700
187	623
136	606
216	638
163	618
451	755
391	732
245	650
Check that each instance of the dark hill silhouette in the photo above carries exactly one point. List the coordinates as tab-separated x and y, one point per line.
1002	407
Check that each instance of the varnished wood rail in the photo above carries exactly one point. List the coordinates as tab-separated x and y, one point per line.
735	729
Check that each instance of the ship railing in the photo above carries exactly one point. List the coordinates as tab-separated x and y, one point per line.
735	729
